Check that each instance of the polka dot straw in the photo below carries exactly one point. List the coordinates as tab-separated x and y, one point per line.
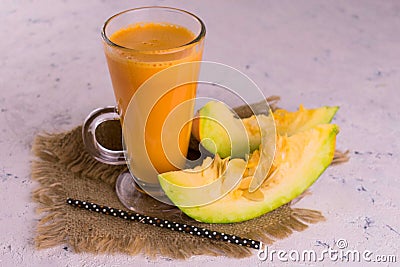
173	226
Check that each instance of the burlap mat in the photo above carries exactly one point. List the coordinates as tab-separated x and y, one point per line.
64	169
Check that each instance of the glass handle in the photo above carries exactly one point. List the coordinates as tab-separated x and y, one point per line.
99	152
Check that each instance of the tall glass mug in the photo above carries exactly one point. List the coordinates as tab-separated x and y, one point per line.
139	43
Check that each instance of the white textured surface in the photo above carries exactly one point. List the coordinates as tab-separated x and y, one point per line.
347	53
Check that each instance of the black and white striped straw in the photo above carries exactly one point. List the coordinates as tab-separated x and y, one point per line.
173	226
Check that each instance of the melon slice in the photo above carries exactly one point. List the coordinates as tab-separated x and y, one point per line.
299	160
221	132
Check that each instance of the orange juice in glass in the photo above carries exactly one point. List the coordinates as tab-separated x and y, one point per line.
138	44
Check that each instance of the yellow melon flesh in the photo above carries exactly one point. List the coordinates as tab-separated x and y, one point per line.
303	119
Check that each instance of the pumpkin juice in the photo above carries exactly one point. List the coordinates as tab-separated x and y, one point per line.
136	54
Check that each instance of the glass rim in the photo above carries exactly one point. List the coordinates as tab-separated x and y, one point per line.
195	40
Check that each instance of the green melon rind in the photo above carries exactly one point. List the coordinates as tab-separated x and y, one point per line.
301	177
331	113
215	139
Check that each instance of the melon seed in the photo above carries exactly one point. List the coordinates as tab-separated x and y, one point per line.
245	183
254	196
270	177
